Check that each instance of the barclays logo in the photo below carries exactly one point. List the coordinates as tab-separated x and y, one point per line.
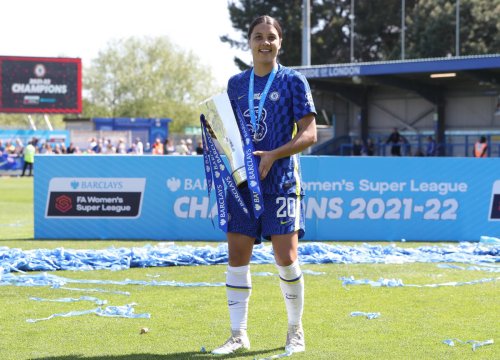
173	184
74	184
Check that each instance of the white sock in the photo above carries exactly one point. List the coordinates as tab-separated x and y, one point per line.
292	288
238	290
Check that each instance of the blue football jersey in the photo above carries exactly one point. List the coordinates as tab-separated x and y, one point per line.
289	99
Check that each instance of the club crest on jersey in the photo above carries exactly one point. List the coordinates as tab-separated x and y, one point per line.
274	96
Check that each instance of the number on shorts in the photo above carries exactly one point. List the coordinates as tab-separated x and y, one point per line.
286	207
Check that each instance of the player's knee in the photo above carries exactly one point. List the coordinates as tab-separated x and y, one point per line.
238	260
285	259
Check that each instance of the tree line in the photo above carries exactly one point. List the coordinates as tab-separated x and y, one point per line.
429	28
152	77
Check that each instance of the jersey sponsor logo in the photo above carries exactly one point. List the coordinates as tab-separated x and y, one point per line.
261	125
309	99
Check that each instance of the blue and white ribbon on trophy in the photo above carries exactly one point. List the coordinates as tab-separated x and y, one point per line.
219	178
216	174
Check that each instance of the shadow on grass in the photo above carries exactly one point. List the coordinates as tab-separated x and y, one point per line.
176	356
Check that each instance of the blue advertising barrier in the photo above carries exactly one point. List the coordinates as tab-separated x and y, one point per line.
43	136
10	162
348	198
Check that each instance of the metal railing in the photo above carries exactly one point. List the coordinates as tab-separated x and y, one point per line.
415	145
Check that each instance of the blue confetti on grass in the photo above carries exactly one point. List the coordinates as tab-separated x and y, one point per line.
95	300
124	311
368	315
399	283
47	279
173	255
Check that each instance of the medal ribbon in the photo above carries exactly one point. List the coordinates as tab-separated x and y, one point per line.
251	165
263	95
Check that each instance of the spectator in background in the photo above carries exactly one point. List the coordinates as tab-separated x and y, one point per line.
98	148
481	148
29	158
431	146
158	147
47	149
92	145
369	148
71	149
121	148
169	147
189	145
357	147
199	148
10	148
395	139
109	148
132	149
57	149
139	146
19	147
182	148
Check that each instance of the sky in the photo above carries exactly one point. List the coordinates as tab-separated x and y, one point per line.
80	29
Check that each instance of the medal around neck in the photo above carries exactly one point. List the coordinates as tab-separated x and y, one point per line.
223	127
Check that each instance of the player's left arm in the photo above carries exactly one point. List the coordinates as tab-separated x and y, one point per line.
305	137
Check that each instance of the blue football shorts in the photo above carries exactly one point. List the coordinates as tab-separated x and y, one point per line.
283	214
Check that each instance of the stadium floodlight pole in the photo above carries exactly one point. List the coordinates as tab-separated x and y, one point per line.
457	29
32	122
403	26
351	17
47	122
306	33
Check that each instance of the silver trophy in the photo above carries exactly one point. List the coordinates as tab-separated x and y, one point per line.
223	127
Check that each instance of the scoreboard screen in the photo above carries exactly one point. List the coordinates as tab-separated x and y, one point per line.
40	85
